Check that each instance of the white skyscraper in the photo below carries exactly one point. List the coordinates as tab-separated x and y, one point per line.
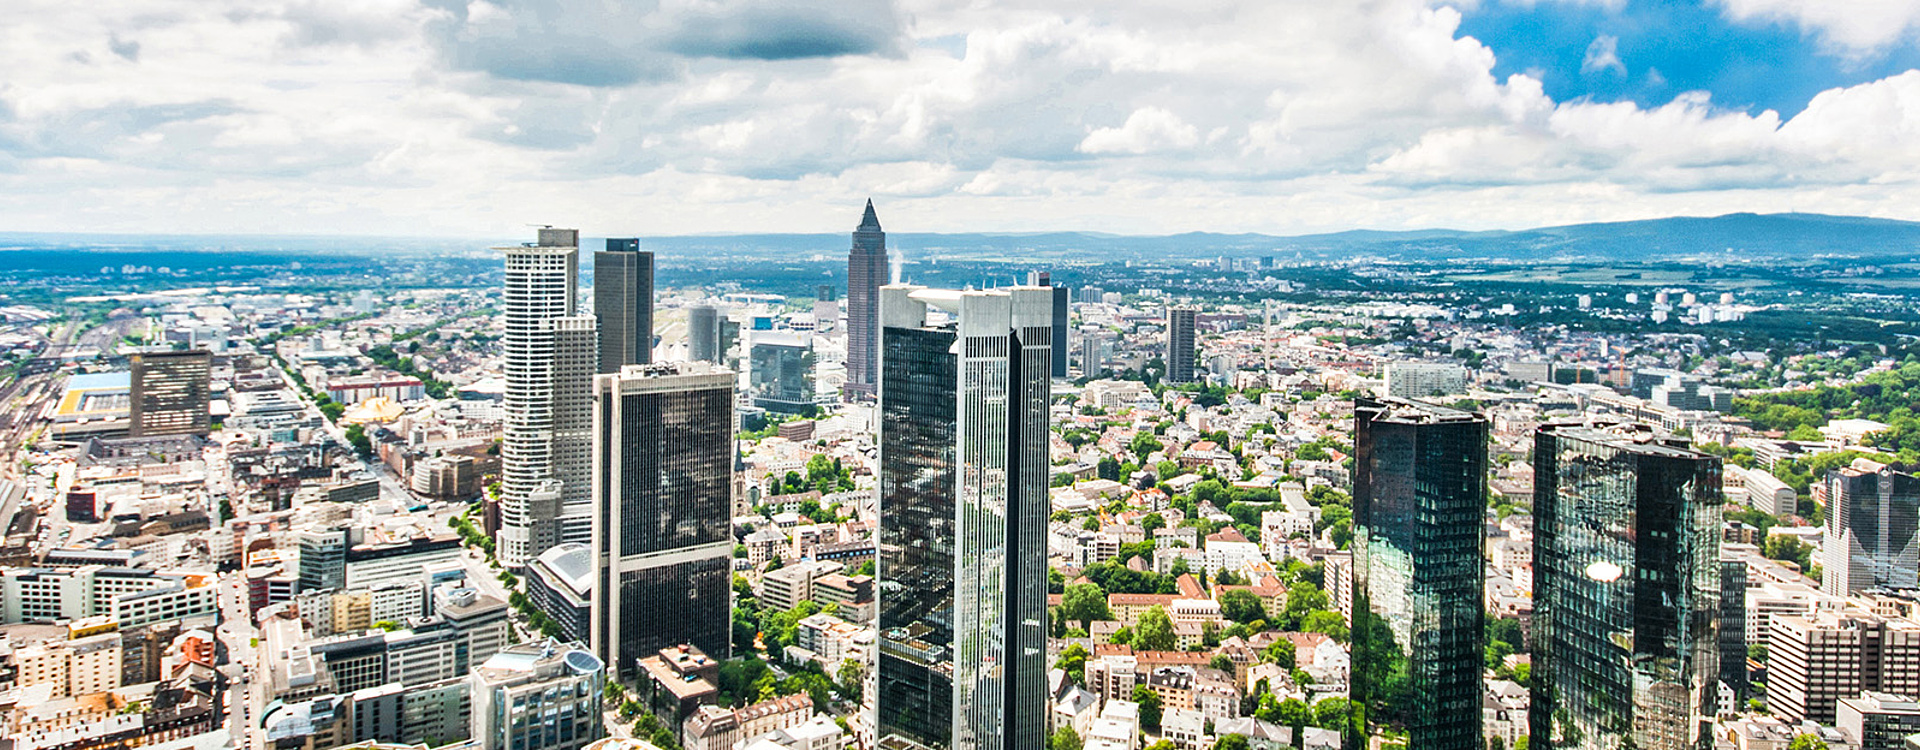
551	356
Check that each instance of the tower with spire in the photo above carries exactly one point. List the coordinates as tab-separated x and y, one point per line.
866	272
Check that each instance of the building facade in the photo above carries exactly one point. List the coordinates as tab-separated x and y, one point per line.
963	508
623	304
1419	494
1180	352
169	393
1873	514
662	532
1815	660
1626	561
703	334
540	695
541	284
866	272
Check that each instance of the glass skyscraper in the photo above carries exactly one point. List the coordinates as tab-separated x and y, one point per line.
1419	497
866	271
1626	560
623	304
663	483
963	513
1873	514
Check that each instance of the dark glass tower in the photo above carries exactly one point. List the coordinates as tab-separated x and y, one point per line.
170	392
1873	514
963	513
1060	317
703	334
1180	323
1419	494
663	482
866	271
623	303
1626	561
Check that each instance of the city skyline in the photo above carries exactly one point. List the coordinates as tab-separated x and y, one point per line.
401	116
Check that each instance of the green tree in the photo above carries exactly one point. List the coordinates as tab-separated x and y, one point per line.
1222	663
1807	741
1332	713
1295	713
1329	623
1231	742
1242	606
1152	522
1280	652
1073	661
1149	706
1064	738
1085	602
1155	631
851	674
1302	598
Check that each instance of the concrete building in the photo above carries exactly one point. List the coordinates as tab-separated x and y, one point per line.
560	583
541	283
1879	721
1180	344
1813	661
170	393
541	695
1423	380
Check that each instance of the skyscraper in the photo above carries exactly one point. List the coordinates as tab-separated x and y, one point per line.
1180	321
703	334
169	393
1626	561
576	354
663	483
1873	514
963	513
623	304
1419	494
1060	317
866	271
540	290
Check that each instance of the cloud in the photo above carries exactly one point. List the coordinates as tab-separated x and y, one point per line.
1603	55
1147	130
1854	27
126	49
770	30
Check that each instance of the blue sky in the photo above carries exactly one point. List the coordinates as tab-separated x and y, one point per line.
1661	49
645	117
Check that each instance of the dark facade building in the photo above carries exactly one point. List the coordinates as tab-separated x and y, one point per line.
663	483
1873	514
169	394
1061	297
780	373
1419	494
623	304
866	271
1733	626
1626	560
560	583
703	334
963	513
1180	354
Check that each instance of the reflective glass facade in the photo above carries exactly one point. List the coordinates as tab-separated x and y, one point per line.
623	302
1873	514
963	509
1419	494
1626	589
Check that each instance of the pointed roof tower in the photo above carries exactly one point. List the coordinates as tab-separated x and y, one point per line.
870	220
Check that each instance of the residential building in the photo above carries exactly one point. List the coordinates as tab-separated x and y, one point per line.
1626	588
662	533
963	498
1419	494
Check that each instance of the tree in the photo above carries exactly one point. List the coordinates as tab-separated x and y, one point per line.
1788	549
1231	742
1280	652
1064	738
1149	706
851	676
1073	661
1155	631
1807	742
1222	663
1178	568
1322	621
1331	713
1302	598
1085	602
1152	522
1240	605
1108	469
1295	713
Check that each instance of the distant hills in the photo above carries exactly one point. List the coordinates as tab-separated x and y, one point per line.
1734	237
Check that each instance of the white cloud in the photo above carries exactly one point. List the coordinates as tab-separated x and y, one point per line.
1603	55
1854	26
474	116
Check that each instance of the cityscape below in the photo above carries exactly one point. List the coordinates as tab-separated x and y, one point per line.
1647	485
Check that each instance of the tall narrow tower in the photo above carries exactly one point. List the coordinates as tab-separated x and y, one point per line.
1419	494
866	272
663	482
623	304
540	289
1180	324
963	513
1626	572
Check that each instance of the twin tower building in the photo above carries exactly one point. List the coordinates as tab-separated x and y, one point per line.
631	463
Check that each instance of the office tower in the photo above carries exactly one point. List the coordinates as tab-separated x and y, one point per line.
169	393
1872	515
623	304
1180	321
1626	566
540	289
866	271
1424	379
1419	494
539	695
780	372
323	558
663	485
963	513
1880	721
576	348
1816	659
1060	316
703	334
1733	624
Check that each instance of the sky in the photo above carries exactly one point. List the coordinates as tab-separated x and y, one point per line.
476	118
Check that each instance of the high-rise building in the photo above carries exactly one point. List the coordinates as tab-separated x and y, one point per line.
169	393
1061	297
1873	514
1425	379
963	513
866	271
780	372
1626	588
1733	624
549	351
623	304
539	695
703	334
1419	495
1180	322
662	532
1816	660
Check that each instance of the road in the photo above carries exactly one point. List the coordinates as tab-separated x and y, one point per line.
237	631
